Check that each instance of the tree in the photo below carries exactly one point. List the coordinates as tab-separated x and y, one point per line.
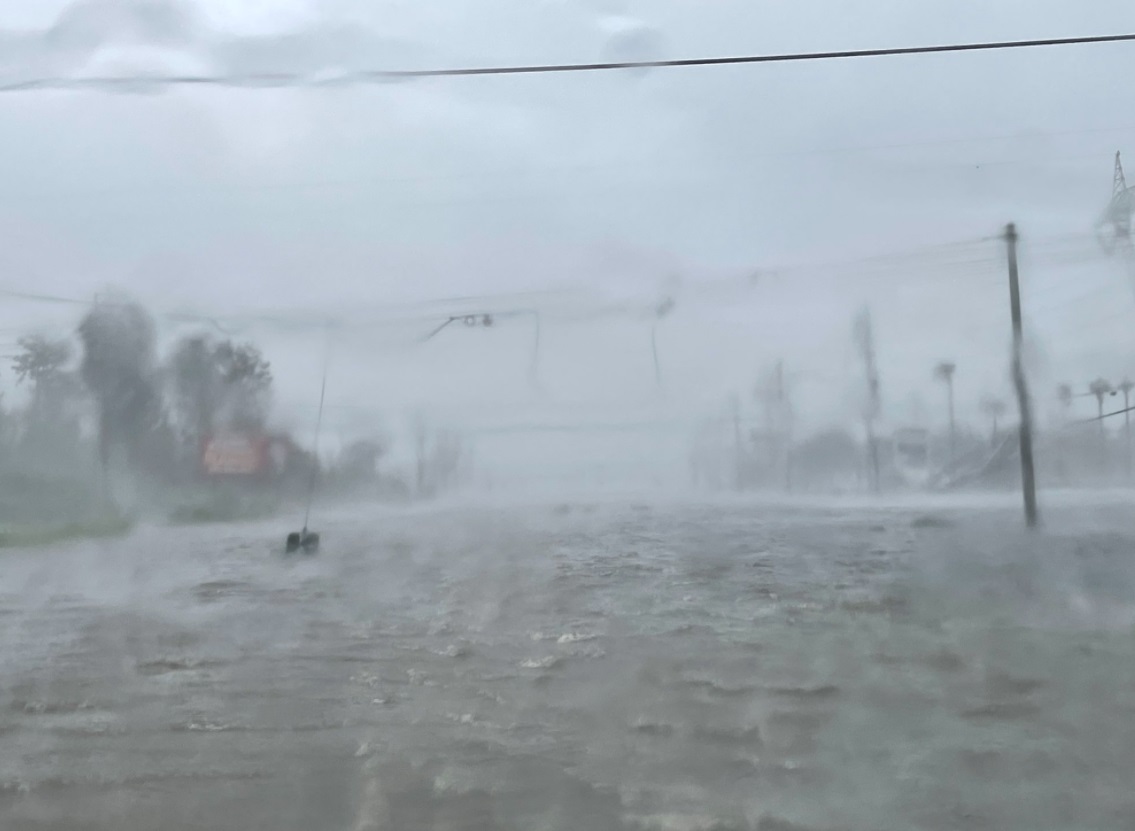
118	368
438	462
49	434
448	456
358	462
41	362
40	359
829	455
219	384
246	379
196	386
1100	389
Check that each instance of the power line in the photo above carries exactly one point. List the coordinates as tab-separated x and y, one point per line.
292	79
43	298
1104	416
963	253
919	268
574	169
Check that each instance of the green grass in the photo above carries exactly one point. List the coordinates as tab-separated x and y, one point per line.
27	536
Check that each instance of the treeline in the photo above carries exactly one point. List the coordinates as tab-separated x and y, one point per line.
108	403
106	400
440	460
836	460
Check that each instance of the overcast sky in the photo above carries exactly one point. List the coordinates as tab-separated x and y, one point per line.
627	186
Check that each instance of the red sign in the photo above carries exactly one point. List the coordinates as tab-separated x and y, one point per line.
235	454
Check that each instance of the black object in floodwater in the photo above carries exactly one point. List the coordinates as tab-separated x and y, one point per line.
304	540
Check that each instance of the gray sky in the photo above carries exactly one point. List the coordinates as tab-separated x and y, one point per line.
350	200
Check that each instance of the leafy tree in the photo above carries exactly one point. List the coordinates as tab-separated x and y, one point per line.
828	455
40	359
358	462
448	456
219	384
118	367
247	382
42	363
440	456
196	385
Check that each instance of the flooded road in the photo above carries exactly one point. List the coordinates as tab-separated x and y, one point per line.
576	667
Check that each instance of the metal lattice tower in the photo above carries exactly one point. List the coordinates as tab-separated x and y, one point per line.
1114	226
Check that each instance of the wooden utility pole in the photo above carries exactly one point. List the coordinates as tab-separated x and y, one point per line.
1028	474
865	336
664	308
1126	388
785	427
738	462
945	372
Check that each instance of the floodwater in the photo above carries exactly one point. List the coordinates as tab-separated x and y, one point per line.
669	666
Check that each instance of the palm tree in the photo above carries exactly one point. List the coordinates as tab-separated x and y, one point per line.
1100	389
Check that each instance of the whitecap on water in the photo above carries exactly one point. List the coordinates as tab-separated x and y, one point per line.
575	637
547	662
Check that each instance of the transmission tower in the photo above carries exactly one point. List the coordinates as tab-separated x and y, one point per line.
1114	227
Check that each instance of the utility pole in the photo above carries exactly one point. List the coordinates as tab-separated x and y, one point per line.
1101	389
1028	474
785	426
735	406
661	311
772	393
420	440
534	369
654	353
1064	394
866	338
945	372
1125	387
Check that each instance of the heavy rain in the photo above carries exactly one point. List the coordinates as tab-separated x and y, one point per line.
575	414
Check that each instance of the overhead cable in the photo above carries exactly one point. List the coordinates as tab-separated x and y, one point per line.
296	79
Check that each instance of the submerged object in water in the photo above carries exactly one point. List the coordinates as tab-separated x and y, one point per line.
305	540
